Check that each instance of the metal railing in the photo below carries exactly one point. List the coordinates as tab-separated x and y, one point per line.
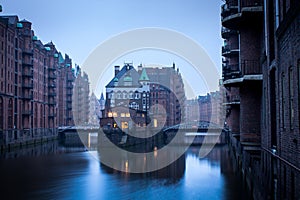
251	3
251	67
228	48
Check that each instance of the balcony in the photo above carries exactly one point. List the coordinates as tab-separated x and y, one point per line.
51	115
52	94
52	76
52	102
52	69
27	63
242	12
27	74
28	96
226	33
27	51
230	51
232	100
27	112
27	85
69	107
251	67
52	85
250	71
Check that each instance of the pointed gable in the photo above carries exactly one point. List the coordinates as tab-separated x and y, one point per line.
144	76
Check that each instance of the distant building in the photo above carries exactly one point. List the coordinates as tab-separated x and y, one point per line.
66	78
206	108
80	98
94	112
192	110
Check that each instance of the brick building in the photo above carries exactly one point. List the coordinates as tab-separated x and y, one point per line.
80	98
261	77
207	108
28	83
145	96
66	78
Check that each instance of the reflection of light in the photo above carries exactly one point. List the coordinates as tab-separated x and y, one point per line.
155	151
126	166
89	140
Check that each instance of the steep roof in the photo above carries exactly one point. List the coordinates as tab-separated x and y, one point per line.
60	58
124	73
144	76
102	96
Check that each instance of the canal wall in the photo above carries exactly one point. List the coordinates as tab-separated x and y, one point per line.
13	139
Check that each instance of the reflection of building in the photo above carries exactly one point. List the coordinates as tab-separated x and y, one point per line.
261	74
80	99
136	98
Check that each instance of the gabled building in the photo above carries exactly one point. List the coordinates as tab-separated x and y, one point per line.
127	99
147	97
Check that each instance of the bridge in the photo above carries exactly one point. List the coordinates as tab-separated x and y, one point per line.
192	133
195	133
199	126
77	128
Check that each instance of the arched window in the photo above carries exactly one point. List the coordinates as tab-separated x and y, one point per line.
10	114
41	116
125	95
1	113
35	116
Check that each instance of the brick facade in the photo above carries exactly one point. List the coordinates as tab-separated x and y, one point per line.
266	142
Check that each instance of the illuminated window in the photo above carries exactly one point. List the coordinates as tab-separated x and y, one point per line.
124	125
115	114
110	114
122	114
127	114
155	123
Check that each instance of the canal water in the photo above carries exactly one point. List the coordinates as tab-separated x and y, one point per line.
58	170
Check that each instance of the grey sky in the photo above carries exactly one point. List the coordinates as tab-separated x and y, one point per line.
78	27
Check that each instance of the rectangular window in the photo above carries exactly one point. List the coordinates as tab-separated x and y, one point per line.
291	89
282	101
298	92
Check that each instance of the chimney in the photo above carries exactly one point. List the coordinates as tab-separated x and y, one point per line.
140	68
117	69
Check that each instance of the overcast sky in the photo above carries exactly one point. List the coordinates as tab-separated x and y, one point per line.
78	27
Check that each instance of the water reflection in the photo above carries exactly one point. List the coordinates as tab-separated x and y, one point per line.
64	174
